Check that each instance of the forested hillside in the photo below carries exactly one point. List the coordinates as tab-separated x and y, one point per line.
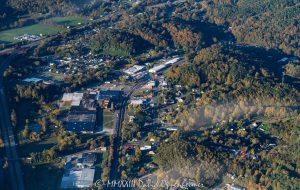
238	83
226	88
47	6
268	23
117	43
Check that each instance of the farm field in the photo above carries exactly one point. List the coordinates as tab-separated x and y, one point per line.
7	36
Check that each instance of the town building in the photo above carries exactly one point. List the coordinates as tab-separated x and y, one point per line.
137	102
135	69
79	171
234	187
89	104
149	86
33	80
82	178
80	121
109	98
73	98
159	67
87	160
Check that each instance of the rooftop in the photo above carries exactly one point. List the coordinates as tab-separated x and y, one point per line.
80	121
82	178
158	68
74	98
134	69
32	80
109	94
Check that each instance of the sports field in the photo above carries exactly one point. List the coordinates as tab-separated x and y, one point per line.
56	24
7	36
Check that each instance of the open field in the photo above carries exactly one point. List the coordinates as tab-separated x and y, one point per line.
69	20
56	24
7	36
108	119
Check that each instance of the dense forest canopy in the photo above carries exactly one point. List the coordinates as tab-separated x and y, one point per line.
238	83
118	43
49	6
271	24
268	23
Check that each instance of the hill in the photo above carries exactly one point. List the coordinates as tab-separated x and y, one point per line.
267	23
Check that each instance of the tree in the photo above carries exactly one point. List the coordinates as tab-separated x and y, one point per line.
142	171
123	175
25	132
13	118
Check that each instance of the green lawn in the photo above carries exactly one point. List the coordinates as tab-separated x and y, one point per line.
108	119
7	36
69	21
266	127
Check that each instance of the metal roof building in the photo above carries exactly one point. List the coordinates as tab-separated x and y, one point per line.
74	98
82	178
32	80
134	69
158	68
162	66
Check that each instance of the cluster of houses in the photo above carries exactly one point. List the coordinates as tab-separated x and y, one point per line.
79	171
71	65
27	37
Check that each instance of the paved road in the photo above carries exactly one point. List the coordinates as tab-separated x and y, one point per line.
164	4
14	167
119	118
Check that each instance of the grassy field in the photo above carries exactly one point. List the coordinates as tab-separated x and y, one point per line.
69	21
59	23
108	119
7	36
265	127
